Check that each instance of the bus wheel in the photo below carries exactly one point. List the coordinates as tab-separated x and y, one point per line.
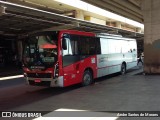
123	69
87	78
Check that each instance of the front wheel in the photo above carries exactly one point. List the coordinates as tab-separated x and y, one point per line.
123	69
87	78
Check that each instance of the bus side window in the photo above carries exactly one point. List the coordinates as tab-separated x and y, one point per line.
72	46
92	45
87	45
68	51
104	45
75	44
83	46
70	55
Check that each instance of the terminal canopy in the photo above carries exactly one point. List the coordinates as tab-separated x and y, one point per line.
21	20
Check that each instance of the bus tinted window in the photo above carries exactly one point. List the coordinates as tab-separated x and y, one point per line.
87	45
98	46
71	55
72	46
75	44
82	45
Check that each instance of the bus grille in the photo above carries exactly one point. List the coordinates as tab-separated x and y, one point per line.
39	75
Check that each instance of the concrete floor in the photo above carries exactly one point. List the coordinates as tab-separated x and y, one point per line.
130	92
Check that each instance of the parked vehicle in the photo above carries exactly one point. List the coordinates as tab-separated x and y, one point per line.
68	57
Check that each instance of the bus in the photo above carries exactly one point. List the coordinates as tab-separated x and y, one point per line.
68	57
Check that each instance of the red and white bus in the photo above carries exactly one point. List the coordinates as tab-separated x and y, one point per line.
67	57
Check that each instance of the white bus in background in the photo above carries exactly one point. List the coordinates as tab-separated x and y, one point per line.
118	54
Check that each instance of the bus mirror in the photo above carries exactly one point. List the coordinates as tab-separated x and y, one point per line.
64	44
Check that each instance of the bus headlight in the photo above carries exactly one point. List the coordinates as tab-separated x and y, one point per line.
25	74
56	71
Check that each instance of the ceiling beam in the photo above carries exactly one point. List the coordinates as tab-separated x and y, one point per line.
121	7
136	2
127	4
38	6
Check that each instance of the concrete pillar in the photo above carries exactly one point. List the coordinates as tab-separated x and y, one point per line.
79	14
151	13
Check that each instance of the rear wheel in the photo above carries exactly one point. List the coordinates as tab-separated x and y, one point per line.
123	69
87	78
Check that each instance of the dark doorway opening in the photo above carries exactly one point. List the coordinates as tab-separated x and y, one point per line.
10	63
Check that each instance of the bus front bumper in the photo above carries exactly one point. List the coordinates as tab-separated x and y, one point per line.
50	82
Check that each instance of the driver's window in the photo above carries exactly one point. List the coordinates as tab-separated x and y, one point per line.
68	51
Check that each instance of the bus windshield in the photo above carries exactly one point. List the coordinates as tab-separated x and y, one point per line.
40	50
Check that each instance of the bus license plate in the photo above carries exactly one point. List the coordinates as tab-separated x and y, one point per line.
37	80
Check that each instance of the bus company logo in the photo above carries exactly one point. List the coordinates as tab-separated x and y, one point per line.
6	114
37	74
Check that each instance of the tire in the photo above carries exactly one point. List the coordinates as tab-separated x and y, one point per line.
87	78
123	69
